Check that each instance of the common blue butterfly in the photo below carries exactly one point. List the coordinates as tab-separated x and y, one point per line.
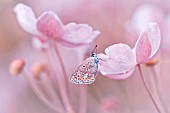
87	71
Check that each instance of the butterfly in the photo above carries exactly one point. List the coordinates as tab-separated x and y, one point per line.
87	71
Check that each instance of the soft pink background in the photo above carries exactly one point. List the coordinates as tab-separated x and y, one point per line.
108	16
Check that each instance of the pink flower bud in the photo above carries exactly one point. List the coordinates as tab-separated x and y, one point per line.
17	66
37	70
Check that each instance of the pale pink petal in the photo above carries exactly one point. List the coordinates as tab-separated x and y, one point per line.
119	59
26	18
79	34
105	65
148	43
70	44
143	48
120	76
50	25
154	37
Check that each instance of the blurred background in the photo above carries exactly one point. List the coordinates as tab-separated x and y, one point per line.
110	17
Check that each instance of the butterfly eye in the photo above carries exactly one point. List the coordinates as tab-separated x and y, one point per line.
84	66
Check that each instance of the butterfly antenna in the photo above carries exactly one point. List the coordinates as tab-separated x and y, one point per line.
95	49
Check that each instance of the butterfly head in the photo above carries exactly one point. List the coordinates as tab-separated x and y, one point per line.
94	55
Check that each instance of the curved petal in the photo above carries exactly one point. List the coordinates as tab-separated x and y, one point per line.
71	44
26	18
148	43
120	76
119	59
154	37
50	25
143	48
79	34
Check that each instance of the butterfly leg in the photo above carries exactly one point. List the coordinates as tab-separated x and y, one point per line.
102	59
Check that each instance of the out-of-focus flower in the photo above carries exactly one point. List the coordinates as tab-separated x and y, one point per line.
165	46
109	105
143	15
50	79
48	27
119	60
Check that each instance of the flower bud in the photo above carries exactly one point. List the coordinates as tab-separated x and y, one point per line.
17	66
38	69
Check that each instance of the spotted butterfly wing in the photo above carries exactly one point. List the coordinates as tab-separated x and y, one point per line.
86	72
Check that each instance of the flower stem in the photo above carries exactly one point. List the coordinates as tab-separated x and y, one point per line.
149	92
40	93
157	88
62	82
82	98
49	88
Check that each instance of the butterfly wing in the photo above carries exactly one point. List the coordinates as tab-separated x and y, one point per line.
86	72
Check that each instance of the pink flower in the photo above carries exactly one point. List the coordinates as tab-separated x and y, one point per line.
48	27
120	60
53	73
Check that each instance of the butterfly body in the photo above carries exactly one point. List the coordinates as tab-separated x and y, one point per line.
87	71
